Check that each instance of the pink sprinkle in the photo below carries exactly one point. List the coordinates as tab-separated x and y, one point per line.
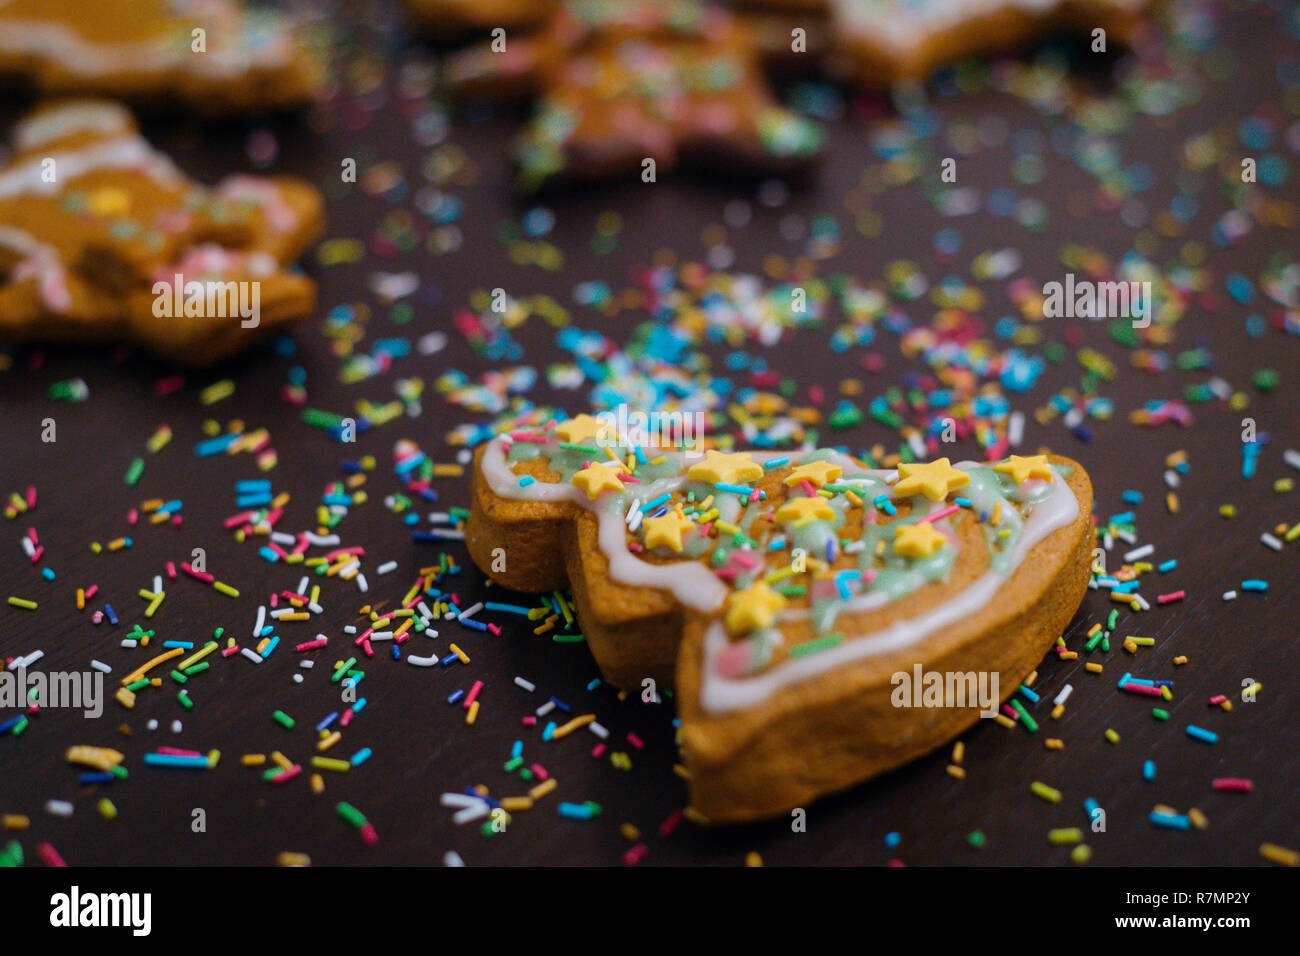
1141	689
597	751
809	490
473	693
311	645
635	741
284	776
36	554
49	856
941	513
530	721
1170	597
171	570
368	834
669	825
92	591
188	569
230	650
540	771
1217	699
132	516
636	854
178	752
1236	784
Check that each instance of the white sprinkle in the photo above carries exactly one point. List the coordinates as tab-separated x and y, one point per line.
129	642
1127	536
452	858
349	629
297	678
279	537
1292	458
152	724
598	730
1271	541
1064	695
421	661
1138	554
1016	428
386	567
302	586
546	708
30	659
157	584
362	586
261	621
470	611
58	808
315	608
470	814
251	654
1172	479
381	635
176	726
526	685
1230	595
28	546
453	799
307	664
101	667
1140	602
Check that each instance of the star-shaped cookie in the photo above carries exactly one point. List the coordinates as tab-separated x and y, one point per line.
933	479
103	239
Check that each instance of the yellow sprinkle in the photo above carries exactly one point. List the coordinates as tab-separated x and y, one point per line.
461	655
281	759
329	740
956	772
1065	835
15	821
198	655
1199	819
329	763
565	729
472	714
101	758
1057	711
1081	854
106	808
125	698
516	804
287	858
1054	743
1092	667
543	788
629	832
217	391
958	751
1042	790
1279	854
1180	659
753	859
1112	736
253	760
317	783
1004	720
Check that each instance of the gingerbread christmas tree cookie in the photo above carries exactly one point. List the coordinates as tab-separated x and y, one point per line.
634	88
782	594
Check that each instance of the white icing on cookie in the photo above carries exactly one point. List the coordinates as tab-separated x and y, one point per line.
29	178
67	119
693	584
226	56
906	25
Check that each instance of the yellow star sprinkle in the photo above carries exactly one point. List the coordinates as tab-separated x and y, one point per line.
667	531
934	480
800	509
1031	466
752	609
816	473
917	541
727	469
596	478
582	428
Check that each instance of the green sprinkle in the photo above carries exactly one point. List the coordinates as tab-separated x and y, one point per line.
184	698
976	839
283	719
1159	714
821	644
1030	724
350	813
135	470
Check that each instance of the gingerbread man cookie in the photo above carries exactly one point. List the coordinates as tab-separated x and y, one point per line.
783	594
634	87
211	55
102	238
888	41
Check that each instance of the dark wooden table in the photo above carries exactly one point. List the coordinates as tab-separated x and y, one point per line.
422	746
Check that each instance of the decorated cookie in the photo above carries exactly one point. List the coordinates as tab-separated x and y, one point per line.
633	88
450	20
886	41
211	55
103	239
783	594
